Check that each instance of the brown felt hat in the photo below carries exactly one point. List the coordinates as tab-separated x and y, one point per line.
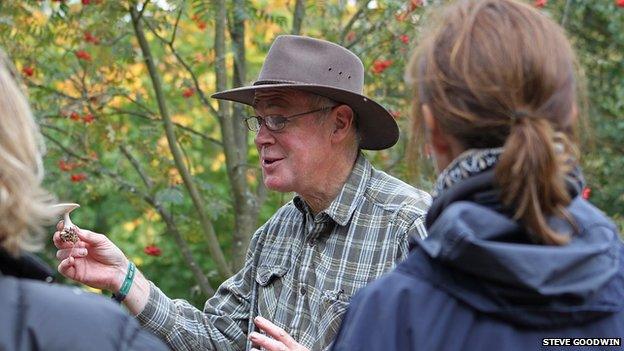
325	69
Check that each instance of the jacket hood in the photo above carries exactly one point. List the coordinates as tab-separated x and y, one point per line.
487	260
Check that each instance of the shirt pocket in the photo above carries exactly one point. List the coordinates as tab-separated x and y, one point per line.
334	304
271	284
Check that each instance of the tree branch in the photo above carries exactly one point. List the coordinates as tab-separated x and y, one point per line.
172	228
177	21
207	227
352	20
137	167
187	67
566	10
158	120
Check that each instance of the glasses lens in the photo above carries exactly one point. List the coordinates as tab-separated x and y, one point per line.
253	123
275	123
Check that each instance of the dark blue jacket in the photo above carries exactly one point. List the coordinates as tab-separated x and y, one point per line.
36	315
478	283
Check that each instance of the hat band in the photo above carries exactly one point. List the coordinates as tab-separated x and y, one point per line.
272	82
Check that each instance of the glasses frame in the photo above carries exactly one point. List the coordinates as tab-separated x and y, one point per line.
278	121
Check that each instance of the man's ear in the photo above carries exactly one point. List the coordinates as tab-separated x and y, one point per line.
342	122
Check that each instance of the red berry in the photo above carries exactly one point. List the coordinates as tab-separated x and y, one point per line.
401	16
65	166
350	36
86	2
187	93
152	250
28	71
201	25
74	116
88	118
90	38
619	3
396	114
413	5
586	194
404	38
381	65
83	55
540	3
78	177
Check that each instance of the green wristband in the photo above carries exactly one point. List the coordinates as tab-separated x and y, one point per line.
127	283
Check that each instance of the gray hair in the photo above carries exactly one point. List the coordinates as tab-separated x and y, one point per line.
318	101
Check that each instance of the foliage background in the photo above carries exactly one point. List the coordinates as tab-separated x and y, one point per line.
112	137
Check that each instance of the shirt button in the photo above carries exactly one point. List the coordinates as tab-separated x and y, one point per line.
302	290
312	243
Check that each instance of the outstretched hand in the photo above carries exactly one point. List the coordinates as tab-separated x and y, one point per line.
93	260
279	340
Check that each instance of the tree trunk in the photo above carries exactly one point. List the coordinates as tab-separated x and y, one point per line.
246	203
298	16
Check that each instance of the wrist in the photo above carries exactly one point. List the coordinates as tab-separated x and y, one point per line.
120	294
120	273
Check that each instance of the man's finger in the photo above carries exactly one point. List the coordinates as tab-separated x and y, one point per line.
90	237
60	243
74	251
267	343
66	268
274	331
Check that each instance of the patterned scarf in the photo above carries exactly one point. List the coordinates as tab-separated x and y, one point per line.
475	161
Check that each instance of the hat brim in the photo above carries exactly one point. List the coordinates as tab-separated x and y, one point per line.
378	129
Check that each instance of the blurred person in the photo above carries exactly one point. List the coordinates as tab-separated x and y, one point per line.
515	259
37	315
347	224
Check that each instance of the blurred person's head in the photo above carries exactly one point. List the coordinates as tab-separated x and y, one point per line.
498	73
24	205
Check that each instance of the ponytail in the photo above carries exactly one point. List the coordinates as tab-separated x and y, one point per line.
531	175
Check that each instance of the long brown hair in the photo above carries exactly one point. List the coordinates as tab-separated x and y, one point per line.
499	73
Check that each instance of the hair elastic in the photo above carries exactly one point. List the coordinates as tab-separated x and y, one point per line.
518	114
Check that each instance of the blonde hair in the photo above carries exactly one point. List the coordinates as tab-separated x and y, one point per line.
499	73
24	205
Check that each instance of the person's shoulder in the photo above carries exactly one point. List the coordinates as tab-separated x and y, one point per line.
53	310
67	298
394	194
409	276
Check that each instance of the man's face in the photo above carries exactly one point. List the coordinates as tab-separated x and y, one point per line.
298	157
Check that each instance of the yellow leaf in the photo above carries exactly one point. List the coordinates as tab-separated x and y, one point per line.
218	162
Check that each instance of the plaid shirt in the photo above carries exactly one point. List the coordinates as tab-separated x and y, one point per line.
301	269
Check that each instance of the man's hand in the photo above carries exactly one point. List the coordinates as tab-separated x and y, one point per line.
281	340
93	260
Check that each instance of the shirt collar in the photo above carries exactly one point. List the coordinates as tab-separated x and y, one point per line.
352	193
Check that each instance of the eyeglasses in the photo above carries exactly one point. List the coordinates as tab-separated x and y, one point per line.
276	123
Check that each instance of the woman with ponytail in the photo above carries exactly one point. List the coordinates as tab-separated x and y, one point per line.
515	259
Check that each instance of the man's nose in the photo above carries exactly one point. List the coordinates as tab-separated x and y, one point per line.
263	136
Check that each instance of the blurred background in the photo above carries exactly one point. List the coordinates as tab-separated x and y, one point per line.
121	90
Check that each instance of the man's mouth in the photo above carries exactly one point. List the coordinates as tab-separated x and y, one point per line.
269	161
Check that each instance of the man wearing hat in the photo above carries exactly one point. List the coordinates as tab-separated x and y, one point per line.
348	223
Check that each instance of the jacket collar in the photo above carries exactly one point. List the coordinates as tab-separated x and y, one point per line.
26	266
